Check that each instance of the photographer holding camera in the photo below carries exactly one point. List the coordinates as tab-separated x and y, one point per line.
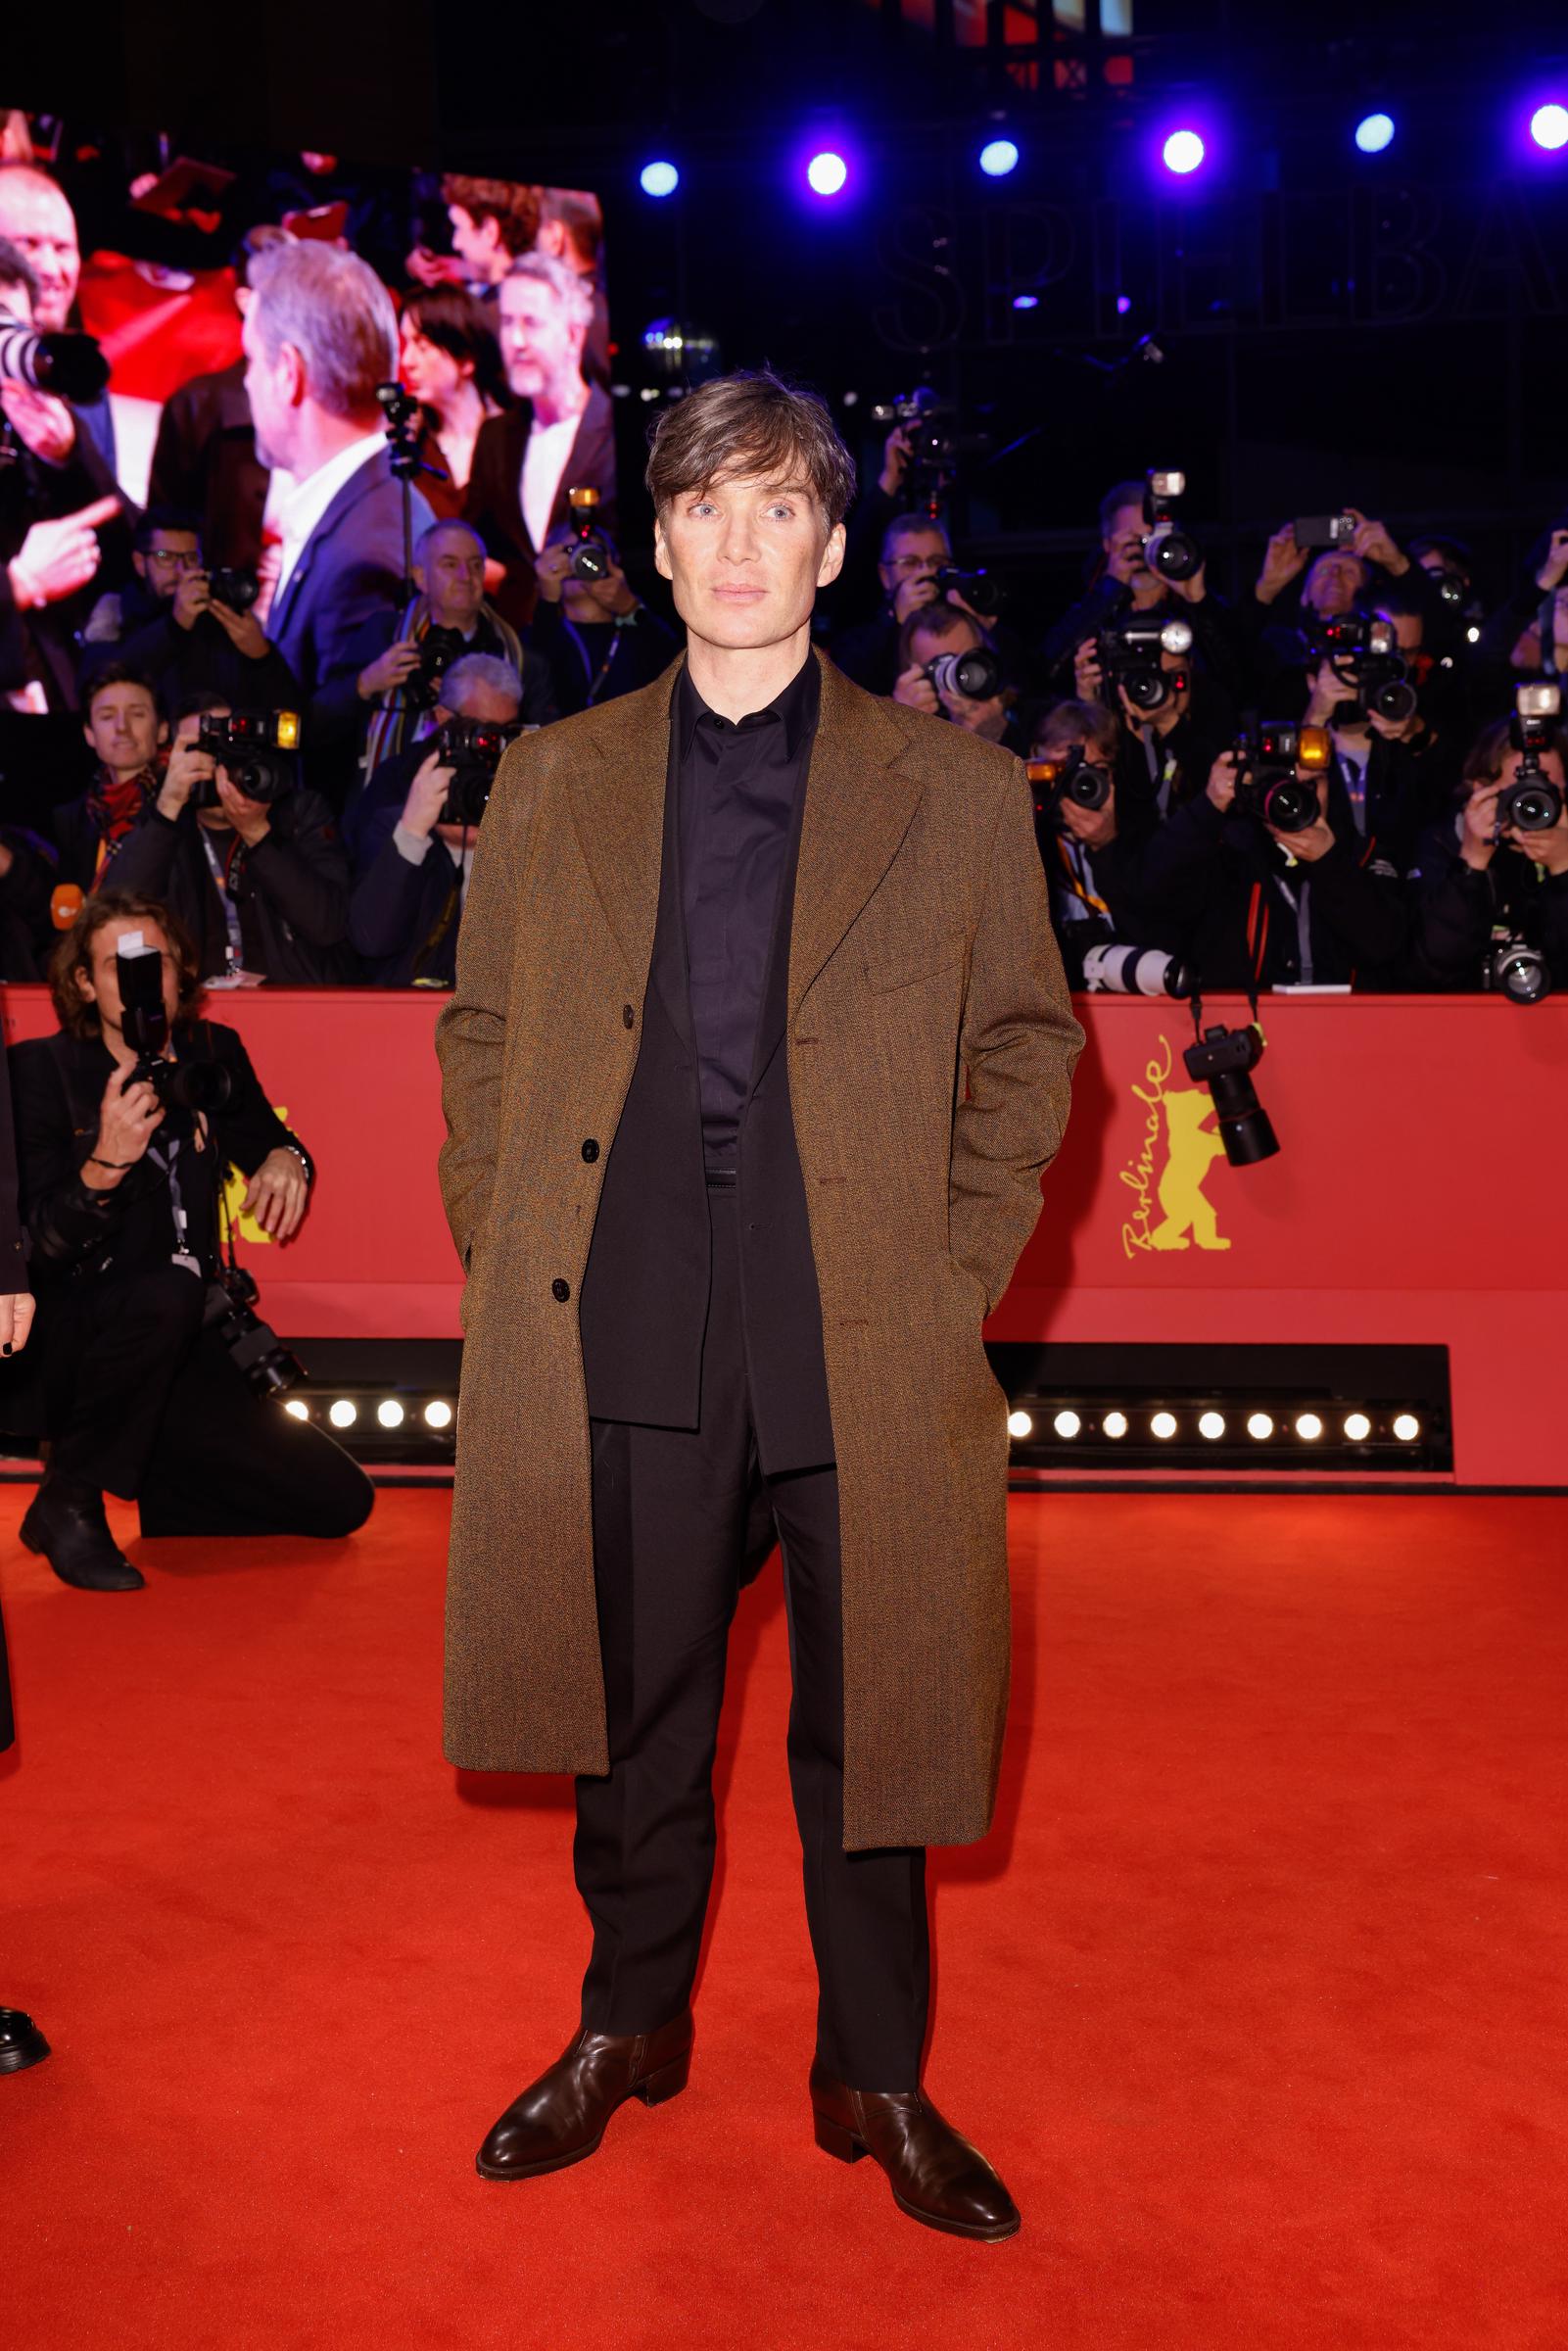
1488	885
418	825
186	629
1172	724
249	861
1092	837
407	654
948	666
1136	517
1395	770
122	1155
598	639
1265	891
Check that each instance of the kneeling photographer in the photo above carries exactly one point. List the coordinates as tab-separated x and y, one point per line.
1268	878
948	665
155	1382
418	824
1491	881
249	860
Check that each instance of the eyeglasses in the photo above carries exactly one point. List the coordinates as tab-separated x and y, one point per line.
172	560
914	566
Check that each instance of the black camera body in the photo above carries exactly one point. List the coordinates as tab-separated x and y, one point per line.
1067	777
1224	1060
930	426
1365	655
232	584
439	648
258	750
981	589
144	1024
473	747
1168	550
1532	802
591	555
1277	762
1129	657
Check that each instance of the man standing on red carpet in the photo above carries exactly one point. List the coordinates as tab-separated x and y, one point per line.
758	1048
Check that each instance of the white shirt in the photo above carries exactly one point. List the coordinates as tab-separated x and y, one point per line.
545	457
298	513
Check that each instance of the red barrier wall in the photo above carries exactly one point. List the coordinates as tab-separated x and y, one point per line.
1414	1200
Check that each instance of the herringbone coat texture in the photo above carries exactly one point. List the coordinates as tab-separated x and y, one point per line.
931	1047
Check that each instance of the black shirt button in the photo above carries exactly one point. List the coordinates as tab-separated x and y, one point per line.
628	1016
591	1150
560	1290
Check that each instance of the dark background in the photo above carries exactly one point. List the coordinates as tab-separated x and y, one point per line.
1387	331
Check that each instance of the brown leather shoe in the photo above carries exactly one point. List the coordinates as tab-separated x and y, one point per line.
560	2118
937	2176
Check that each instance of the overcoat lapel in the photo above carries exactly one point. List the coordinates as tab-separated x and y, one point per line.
618	809
859	805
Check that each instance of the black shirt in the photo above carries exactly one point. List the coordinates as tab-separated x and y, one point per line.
739	785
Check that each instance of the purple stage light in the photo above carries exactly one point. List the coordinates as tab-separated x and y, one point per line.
1182	151
1549	126
827	172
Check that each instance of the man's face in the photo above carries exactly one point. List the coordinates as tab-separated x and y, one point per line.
99	982
121	727
1552	767
489	704
453	577
745	558
476	243
540	346
35	217
273	387
167	559
926	643
909	568
1410	632
1124	542
1333	583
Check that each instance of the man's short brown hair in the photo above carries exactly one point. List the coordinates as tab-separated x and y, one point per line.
1073	724
753	424
509	203
71	959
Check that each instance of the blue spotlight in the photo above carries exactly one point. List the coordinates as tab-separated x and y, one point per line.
827	172
1025	302
659	180
1374	133
998	156
1182	151
1548	127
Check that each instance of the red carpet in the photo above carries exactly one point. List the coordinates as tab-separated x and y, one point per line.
1255	1995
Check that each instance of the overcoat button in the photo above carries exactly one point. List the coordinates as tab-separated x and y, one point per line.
560	1290
591	1150
628	1016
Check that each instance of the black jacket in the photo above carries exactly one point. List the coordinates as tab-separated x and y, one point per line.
1460	910
292	890
403	918
494	500
76	1235
42	643
205	464
179	661
599	661
26	930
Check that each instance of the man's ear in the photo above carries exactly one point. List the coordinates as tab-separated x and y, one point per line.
661	553
138	563
163	731
833	557
419	578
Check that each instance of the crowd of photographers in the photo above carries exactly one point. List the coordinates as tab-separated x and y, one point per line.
294	670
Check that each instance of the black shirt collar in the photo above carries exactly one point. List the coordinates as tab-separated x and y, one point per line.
795	708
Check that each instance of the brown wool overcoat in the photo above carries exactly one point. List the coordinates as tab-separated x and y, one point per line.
931	1049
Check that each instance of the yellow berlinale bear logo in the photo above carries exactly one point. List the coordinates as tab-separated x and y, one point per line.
235	1188
1173	1211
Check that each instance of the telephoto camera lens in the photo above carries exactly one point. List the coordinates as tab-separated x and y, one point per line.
976	674
1134	972
1531	804
1224	1061
1520	972
70	365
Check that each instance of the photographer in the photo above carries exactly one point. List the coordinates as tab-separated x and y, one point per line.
1279	627
407	654
36	220
261	881
119	1191
414	867
1258	906
1477	883
1093	856
931	633
57	495
1123	585
914	550
598	639
172	625
1164	751
1395	773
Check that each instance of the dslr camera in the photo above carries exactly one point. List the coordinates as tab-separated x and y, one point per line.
1129	657
1365	655
144	1021
70	365
439	648
935	443
1224	1060
981	589
1278	763
254	1346
1168	550
1532	802
1070	776
258	750
590	554
472	749
976	674
231	585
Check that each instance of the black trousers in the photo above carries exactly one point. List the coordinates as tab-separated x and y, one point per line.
675	1513
140	1400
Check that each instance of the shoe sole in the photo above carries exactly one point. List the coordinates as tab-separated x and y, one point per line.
667	2082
